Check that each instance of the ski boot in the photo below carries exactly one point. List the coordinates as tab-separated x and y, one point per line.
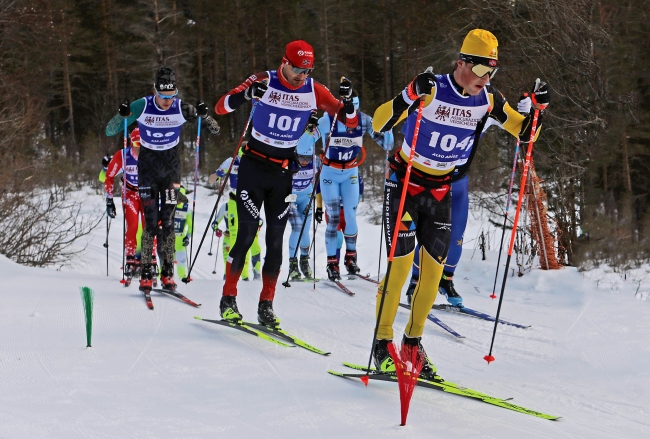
333	273
446	288
294	274
383	361
146	279
130	266
351	262
411	290
305	268
229	310
428	371
167	278
265	314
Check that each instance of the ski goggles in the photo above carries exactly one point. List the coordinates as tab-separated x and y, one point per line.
481	66
161	96
301	71
304	159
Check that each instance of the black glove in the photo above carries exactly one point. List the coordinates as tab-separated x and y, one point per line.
110	208
423	83
256	90
345	88
106	160
125	109
319	215
212	125
180	196
186	241
202	110
312	123
541	95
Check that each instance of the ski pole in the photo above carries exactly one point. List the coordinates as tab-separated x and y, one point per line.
393	244
221	188
505	215
381	230
108	229
124	201
214	271
211	242
196	176
489	358
286	283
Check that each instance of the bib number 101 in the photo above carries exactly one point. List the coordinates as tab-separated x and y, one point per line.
448	141
284	123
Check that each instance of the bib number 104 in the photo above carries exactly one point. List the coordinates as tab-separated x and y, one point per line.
448	141
284	123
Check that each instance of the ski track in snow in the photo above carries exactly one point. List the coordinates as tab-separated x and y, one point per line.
163	374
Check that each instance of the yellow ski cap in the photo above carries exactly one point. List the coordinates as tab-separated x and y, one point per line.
482	44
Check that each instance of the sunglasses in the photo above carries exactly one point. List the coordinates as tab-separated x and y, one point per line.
305	159
300	71
166	96
480	70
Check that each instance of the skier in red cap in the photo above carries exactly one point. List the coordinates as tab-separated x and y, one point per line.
286	98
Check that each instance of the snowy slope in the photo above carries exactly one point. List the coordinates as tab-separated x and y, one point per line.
162	374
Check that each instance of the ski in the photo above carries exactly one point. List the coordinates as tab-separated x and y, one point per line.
147	299
437	321
305	279
245	328
177	295
285	336
366	277
477	314
341	287
445	387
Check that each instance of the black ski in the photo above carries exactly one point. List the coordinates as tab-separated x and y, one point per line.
177	295
437	321
474	313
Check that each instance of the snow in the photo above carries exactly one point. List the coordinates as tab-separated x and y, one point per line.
163	374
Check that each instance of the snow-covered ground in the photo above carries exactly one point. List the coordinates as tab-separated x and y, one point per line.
163	374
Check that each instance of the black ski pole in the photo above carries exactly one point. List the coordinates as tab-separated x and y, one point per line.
489	357
214	271
381	230
108	229
211	242
196	176
221	188
124	201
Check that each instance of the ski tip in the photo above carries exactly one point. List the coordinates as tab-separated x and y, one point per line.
198	318
364	379
123	281
489	358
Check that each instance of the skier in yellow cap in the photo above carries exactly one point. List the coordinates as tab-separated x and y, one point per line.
455	112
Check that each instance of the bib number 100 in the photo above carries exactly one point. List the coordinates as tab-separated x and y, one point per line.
284	123
447	142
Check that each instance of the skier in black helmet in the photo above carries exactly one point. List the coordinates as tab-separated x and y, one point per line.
160	117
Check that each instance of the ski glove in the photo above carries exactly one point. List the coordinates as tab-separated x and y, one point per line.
186	241
212	125
110	208
125	109
312	123
106	160
319	215
180	196
256	90
524	105
541	95
345	88
219	233
422	84
202	110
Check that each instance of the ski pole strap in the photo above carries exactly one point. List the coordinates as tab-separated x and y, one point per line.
355	162
283	163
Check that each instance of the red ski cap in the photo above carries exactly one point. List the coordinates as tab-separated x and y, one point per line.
299	54
135	137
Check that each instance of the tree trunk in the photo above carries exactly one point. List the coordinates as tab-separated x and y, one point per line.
626	164
72	147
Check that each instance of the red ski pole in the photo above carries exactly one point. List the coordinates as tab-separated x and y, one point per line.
489	358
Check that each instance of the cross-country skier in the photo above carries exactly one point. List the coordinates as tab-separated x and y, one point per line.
228	214
339	182
126	162
303	186
160	118
287	97
453	106
183	231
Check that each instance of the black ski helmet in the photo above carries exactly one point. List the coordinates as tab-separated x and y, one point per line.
165	79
